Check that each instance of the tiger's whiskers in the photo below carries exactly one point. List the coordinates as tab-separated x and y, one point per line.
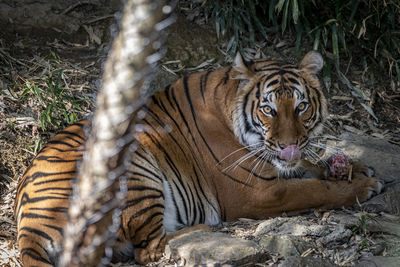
258	160
266	156
314	156
240	149
324	146
234	165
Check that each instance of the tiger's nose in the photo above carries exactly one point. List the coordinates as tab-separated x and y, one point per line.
283	145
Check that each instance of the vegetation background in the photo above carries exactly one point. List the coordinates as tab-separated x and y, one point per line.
357	32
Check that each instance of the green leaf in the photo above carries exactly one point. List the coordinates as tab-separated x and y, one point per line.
299	36
369	110
245	17
252	8
346	81
329	21
217	27
22	96
280	4
58	80
326	74
342	39
372	78
316	39
43	121
354	7
37	146
76	106
335	46
325	36
236	37
236	28
222	27
11	124
295	11
260	26
285	16
48	113
230	43
271	14
66	116
397	71
72	117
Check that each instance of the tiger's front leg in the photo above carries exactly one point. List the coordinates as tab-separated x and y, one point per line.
143	222
294	195
148	213
153	250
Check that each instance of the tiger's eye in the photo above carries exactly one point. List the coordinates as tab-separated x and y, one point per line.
302	106
267	110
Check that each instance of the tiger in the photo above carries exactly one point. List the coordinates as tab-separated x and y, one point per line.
213	146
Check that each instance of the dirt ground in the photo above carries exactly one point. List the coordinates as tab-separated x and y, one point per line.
30	59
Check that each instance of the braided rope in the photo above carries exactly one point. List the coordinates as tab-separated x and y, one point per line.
94	213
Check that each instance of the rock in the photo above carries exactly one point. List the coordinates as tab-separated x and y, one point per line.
161	79
192	44
388	201
338	234
43	18
285	245
372	224
384	158
270	225
295	226
379	261
347	220
390	245
297	261
383	226
201	247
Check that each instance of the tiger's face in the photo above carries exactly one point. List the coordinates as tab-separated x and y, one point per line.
279	108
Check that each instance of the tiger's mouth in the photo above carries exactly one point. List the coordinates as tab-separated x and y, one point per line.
285	166
288	161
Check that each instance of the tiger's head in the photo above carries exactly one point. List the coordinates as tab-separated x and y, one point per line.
279	108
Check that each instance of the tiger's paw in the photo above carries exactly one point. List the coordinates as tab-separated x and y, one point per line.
373	187
377	190
363	178
362	170
360	178
149	254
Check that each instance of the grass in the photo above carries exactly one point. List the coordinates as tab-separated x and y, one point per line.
56	103
55	91
361	229
37	146
39	94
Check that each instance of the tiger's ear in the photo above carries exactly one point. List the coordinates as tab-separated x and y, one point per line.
243	68
312	62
